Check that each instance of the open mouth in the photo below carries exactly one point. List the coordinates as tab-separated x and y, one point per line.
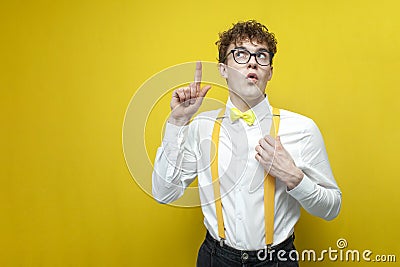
252	77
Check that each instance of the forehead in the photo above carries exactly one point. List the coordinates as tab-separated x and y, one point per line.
251	45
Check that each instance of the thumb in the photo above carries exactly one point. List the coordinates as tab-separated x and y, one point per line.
278	141
204	90
202	94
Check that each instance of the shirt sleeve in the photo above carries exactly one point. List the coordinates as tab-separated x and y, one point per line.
318	192
175	165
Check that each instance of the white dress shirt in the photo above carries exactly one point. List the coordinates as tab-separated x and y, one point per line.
185	155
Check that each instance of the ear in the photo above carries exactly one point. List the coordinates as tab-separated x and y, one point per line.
270	73
223	70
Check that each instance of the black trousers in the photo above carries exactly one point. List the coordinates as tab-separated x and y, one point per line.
211	254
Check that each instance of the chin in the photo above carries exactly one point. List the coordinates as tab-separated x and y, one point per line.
251	94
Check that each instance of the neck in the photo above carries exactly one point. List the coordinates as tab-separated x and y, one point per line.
245	104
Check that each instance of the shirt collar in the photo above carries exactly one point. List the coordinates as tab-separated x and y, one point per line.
261	110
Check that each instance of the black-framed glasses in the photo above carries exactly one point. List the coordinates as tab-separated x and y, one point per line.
243	56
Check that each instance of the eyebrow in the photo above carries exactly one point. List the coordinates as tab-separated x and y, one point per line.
258	50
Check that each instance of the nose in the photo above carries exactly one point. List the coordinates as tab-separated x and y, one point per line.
252	64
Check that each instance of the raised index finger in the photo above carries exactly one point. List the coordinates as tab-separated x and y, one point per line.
197	75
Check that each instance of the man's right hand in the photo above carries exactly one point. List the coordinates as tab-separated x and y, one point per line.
186	101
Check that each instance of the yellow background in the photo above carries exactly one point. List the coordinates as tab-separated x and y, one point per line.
69	69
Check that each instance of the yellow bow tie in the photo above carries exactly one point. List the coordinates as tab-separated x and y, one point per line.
248	116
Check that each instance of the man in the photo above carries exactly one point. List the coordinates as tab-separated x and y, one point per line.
253	185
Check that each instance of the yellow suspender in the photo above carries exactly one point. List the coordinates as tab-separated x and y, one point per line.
269	181
215	175
269	187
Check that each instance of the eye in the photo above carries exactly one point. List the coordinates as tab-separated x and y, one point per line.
241	54
262	55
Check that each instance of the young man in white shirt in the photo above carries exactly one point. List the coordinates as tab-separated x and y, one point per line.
295	159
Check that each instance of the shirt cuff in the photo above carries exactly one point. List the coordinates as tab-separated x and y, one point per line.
174	133
303	190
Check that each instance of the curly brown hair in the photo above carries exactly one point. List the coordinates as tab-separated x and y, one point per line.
251	30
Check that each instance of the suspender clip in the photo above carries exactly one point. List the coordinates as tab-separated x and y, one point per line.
221	242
